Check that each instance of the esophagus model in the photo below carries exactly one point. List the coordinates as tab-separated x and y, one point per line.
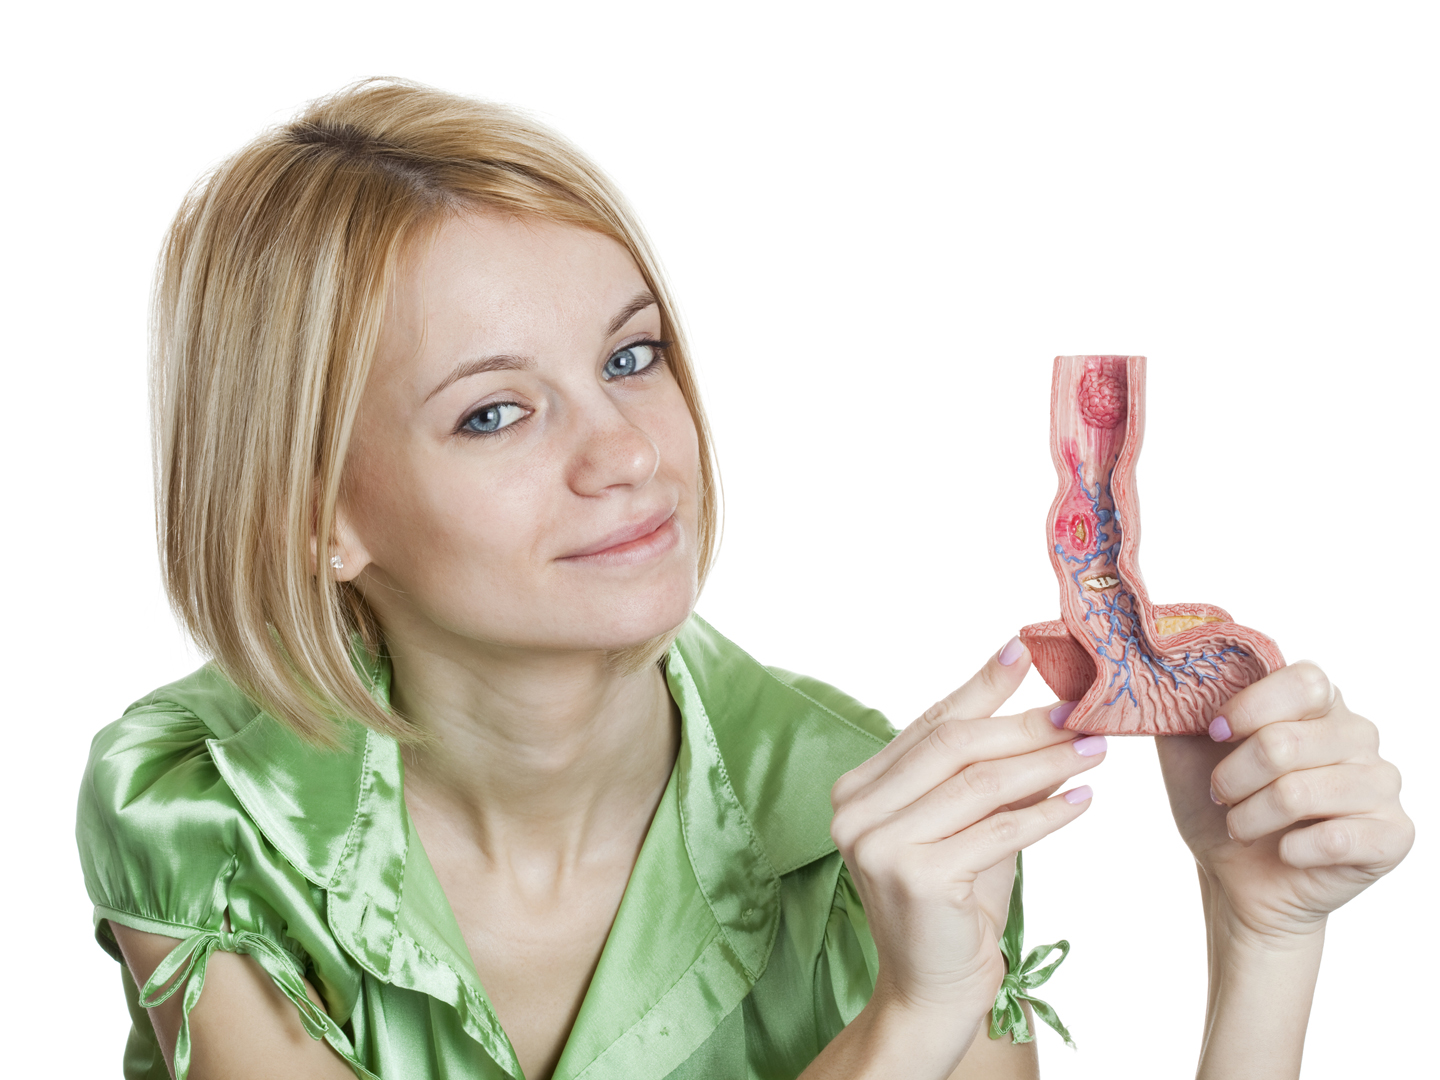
1136	668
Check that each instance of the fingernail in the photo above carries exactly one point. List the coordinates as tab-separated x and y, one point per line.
1215	798
1060	713
1090	745
1011	652
1220	729
1078	795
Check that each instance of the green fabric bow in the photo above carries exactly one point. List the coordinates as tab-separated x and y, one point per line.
1007	1017
185	966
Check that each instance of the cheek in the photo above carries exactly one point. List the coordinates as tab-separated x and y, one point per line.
424	517
677	440
466	545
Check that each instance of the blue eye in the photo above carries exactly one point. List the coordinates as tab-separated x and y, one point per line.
490	418
630	360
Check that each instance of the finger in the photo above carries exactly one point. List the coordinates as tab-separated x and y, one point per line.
1371	844
1001	835
1299	691
1033	798
1286	747
986	691
951	747
1330	792
986	787
992	685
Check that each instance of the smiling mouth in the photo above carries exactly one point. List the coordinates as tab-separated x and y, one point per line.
1102	581
623	539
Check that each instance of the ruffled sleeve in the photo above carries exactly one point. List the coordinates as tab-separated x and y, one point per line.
167	849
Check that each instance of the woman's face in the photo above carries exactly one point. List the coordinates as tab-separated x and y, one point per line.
524	470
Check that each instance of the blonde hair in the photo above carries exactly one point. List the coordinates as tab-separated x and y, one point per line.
269	298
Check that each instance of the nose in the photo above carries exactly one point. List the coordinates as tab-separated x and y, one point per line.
612	452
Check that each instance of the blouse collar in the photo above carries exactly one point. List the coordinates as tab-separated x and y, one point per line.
747	802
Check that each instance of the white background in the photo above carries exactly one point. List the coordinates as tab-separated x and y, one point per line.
881	228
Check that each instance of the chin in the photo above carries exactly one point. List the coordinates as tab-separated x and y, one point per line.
604	617
618	624
632	633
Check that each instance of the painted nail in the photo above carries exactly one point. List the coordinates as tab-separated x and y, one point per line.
1011	652
1060	713
1090	745
1216	798
1078	795
1220	729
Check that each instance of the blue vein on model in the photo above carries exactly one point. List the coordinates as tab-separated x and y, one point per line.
1117	612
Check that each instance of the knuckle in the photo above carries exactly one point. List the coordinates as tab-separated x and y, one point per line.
1003	828
844	831
1334	841
1313	686
934	715
980	779
1292	794
952	738
871	852
1278	747
858	851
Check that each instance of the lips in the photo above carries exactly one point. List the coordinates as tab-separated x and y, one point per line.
626	535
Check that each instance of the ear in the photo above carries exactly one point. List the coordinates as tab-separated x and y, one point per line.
347	549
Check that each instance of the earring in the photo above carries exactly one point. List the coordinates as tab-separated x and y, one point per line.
336	562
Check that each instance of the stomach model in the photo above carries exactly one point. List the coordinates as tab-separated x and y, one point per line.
1136	668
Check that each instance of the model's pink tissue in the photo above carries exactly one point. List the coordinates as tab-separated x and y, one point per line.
1136	668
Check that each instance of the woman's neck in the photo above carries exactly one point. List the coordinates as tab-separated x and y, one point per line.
548	759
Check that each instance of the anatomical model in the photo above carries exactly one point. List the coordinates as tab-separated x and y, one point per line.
1135	667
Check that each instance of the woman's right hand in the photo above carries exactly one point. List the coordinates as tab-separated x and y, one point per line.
929	827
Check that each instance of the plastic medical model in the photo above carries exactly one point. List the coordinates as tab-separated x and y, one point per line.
1135	668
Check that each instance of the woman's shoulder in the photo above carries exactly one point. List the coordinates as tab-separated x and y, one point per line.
158	752
161	832
156	756
158	747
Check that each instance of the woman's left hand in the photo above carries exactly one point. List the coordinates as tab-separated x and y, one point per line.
1288	807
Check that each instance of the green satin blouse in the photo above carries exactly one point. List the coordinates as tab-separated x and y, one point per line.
739	949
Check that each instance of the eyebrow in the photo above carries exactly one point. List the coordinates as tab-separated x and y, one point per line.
466	368
506	362
629	311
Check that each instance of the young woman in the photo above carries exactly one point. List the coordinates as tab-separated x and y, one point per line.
469	792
